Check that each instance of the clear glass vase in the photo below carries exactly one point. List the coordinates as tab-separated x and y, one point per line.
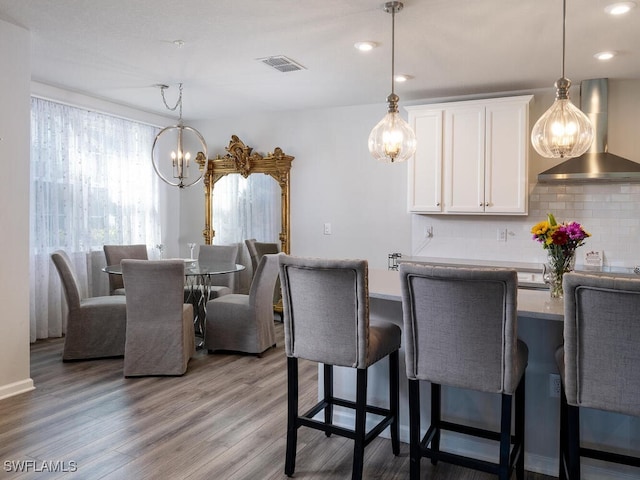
554	270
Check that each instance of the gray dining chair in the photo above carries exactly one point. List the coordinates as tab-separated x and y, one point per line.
96	326
599	362
460	330
114	254
326	320
160	332
222	284
244	323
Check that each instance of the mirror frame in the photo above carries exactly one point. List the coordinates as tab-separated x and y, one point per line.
241	160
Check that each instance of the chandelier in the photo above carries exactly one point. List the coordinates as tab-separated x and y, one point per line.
179	152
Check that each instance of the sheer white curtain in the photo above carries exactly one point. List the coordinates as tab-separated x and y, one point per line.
246	208
92	183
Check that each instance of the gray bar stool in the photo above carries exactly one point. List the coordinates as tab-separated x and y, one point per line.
326	320
599	362
460	329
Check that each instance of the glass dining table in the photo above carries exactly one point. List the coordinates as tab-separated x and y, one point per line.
198	280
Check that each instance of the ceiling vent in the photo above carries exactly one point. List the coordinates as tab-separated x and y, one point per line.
282	64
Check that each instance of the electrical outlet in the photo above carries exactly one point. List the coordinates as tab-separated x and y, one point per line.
502	234
554	385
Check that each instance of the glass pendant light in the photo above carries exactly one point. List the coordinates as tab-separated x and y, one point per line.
392	139
564	131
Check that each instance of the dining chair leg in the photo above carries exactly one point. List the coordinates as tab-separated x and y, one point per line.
415	452
361	416
328	396
292	415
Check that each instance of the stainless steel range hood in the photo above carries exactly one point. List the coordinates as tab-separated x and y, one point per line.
597	164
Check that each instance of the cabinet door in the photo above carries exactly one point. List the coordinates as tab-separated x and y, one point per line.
464	132
425	167
506	158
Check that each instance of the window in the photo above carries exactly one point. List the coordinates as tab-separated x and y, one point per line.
92	183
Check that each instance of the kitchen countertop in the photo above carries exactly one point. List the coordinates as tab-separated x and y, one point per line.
385	285
533	267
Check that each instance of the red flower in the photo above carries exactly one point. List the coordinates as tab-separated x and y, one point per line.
560	237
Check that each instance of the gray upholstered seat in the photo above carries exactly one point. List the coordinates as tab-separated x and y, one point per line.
600	360
114	254
244	323
160	332
460	329
326	320
218	285
96	326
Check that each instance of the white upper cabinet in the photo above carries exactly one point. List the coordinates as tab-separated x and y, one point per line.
471	157
425	167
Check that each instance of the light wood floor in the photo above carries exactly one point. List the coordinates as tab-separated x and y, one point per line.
224	419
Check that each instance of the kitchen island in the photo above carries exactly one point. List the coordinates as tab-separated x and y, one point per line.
540	325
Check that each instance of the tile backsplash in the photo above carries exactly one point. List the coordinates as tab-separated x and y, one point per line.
609	211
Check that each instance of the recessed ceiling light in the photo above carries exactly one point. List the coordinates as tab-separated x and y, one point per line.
401	77
619	8
605	55
365	46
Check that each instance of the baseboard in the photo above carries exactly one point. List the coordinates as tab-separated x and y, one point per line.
16	388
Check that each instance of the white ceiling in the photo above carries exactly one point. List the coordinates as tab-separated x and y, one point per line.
119	49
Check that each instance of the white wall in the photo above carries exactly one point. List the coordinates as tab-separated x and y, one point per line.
14	210
333	180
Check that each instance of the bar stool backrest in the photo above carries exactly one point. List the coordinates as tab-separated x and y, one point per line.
326	310
461	326
602	342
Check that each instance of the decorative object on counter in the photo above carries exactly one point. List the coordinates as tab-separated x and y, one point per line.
563	131
392	139
561	241
175	147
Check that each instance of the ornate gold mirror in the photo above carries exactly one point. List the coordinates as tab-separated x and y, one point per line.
243	161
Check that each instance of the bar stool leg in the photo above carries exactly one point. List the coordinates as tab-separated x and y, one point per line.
328	396
415	451
562	474
505	436
519	427
573	442
292	415
361	416
394	400
436	418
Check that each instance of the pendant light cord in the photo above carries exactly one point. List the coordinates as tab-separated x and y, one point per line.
564	34
178	102
393	48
